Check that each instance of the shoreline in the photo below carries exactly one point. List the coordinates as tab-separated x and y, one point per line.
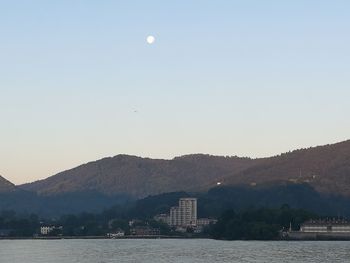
100	237
169	237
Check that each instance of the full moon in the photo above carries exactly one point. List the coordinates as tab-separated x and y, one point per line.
150	39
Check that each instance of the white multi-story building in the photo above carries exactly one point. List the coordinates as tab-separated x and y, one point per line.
185	214
175	217
188	211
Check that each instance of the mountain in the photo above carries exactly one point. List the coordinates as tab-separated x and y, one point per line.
140	177
324	168
6	186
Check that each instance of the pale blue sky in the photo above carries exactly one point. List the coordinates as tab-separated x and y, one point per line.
247	78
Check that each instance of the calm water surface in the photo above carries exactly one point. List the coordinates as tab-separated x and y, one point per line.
170	250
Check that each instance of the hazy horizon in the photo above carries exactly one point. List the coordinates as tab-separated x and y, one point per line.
79	82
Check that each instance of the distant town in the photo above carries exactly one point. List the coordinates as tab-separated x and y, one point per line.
181	221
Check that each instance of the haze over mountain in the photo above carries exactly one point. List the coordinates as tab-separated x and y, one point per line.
325	168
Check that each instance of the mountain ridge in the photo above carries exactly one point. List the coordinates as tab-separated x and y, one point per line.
6	186
326	168
140	176
316	178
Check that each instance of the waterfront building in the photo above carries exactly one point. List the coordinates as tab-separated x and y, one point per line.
144	231
46	230
116	234
335	229
325	226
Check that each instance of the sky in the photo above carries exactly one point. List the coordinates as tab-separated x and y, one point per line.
79	82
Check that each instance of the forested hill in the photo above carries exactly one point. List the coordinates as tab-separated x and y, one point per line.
140	177
325	168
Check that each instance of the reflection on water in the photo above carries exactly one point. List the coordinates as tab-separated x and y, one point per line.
170	250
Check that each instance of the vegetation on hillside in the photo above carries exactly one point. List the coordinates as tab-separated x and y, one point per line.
141	177
325	168
258	224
